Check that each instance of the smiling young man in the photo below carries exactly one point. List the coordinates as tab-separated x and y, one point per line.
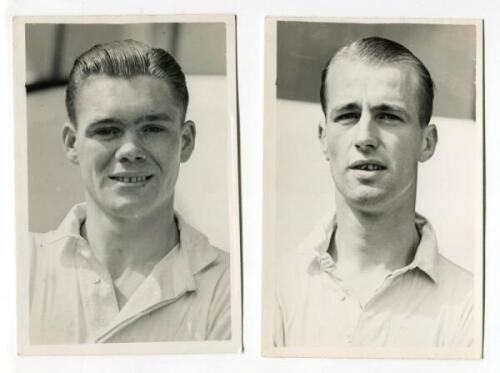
371	275
124	266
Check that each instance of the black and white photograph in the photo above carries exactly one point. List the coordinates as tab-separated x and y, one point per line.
373	188
128	216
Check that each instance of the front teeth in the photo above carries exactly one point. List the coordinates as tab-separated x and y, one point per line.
370	167
133	179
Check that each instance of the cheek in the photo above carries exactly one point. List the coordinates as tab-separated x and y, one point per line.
165	151
406	154
336	146
94	157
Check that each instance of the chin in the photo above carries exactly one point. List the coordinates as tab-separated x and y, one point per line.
371	200
128	209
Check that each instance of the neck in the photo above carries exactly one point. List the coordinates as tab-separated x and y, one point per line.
130	243
368	240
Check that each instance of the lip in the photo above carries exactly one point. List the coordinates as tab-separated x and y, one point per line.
368	165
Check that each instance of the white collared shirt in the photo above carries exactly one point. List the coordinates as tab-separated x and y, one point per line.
428	303
186	297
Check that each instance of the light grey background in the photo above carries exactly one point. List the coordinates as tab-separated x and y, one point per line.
55	184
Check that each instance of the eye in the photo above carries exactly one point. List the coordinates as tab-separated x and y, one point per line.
346	118
153	128
389	117
106	132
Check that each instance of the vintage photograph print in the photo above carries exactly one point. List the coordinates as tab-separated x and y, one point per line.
128	229
373	188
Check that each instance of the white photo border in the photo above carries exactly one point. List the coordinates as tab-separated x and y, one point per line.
24	347
269	203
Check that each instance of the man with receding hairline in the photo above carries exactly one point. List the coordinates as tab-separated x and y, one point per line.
124	266
371	275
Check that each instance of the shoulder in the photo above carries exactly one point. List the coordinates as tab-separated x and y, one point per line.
67	231
53	249
292	265
51	260
204	258
46	239
219	269
47	246
455	280
295	268
211	270
300	258
455	293
221	257
454	283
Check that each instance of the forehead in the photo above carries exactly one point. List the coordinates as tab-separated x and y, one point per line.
351	80
124	98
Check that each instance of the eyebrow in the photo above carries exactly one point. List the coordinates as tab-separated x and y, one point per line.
104	121
160	117
342	108
391	108
346	107
352	106
144	118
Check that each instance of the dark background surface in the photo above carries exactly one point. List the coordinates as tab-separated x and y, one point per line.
51	49
448	51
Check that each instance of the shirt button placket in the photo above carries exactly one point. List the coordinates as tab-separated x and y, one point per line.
101	301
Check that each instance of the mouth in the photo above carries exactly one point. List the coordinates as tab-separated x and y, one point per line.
368	166
131	179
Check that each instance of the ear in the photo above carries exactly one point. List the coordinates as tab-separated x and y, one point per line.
188	136
322	138
429	142
69	140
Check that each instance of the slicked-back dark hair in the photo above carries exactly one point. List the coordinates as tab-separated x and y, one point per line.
379	51
126	59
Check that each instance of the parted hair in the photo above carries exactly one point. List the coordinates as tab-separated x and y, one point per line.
376	50
126	59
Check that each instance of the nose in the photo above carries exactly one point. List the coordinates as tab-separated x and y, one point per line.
366	138
130	150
